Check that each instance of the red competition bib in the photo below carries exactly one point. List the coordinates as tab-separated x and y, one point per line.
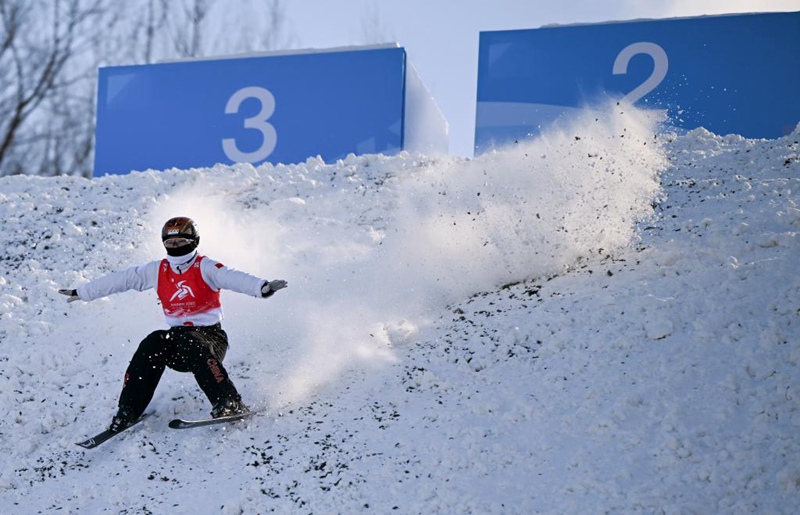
185	297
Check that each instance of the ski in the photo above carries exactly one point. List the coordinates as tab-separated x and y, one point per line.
188	424
106	435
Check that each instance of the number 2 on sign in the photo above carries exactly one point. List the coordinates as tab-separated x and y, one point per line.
660	67
269	136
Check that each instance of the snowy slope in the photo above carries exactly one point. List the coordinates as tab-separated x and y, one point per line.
601	320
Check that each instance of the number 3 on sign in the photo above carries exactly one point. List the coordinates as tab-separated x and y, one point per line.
269	136
660	67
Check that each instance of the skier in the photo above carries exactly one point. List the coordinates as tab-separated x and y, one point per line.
188	286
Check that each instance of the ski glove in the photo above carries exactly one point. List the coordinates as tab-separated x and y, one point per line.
271	287
71	294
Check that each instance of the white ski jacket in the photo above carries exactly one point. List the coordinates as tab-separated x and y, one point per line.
145	277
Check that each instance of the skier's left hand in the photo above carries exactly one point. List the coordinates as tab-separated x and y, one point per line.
71	294
271	287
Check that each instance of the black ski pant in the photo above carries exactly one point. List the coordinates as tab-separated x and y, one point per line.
197	349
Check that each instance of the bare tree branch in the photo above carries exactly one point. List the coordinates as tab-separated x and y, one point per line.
10	14
277	36
189	25
32	85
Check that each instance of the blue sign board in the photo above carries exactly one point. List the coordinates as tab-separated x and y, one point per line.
277	108
730	74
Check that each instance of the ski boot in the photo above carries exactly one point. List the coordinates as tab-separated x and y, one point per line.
228	407
122	420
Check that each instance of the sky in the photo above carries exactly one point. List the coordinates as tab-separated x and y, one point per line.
441	36
488	335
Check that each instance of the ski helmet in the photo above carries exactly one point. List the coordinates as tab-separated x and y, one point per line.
180	236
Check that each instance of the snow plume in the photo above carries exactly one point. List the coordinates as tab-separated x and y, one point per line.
529	210
420	233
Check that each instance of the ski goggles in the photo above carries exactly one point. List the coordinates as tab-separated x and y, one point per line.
174	243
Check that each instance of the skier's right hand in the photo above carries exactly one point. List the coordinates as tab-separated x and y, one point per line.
72	295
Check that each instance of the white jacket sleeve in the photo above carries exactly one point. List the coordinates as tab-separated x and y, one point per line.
139	278
220	277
